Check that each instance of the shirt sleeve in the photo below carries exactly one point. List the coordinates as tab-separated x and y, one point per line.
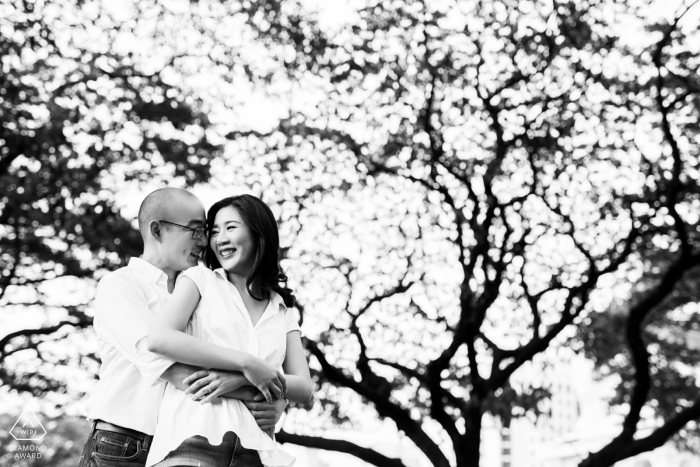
291	319
122	319
151	365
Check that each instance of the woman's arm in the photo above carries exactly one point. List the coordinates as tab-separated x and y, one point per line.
296	368
167	337
194	380
211	384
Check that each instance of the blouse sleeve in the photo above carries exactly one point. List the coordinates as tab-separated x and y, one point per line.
200	275
291	319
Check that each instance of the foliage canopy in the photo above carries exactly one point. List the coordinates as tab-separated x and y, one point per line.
461	186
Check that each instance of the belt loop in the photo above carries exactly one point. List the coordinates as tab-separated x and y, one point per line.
93	429
146	442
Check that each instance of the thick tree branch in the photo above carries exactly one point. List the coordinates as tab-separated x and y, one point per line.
640	355
608	456
634	327
536	345
661	435
5	341
362	362
438	396
377	390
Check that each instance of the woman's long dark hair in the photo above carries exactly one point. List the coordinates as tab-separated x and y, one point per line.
266	273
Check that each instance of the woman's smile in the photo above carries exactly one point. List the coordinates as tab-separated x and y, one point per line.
226	252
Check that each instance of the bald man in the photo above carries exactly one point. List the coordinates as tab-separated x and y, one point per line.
124	405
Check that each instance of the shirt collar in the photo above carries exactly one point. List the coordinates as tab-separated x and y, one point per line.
221	272
277	301
275	298
147	269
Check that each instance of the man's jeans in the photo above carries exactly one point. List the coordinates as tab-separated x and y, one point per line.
109	449
196	451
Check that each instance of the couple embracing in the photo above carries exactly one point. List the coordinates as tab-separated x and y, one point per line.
198	361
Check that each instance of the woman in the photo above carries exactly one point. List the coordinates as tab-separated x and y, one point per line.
237	317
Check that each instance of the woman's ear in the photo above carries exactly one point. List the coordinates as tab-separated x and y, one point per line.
155	229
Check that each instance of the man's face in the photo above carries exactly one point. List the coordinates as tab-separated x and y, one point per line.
180	250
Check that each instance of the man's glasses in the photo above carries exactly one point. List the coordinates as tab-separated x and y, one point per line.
196	233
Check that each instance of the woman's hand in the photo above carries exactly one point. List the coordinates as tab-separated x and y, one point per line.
270	382
207	385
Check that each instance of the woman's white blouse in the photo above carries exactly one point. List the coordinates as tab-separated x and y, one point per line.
221	318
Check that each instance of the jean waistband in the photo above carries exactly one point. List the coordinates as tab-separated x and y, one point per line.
106	426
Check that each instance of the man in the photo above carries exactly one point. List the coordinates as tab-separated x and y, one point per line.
124	405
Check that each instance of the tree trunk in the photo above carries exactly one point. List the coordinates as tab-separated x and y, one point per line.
467	451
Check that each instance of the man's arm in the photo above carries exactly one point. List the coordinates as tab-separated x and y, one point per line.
121	314
122	317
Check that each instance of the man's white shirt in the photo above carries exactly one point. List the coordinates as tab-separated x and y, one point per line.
125	303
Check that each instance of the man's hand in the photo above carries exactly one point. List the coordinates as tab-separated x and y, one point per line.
176	374
267	414
270	382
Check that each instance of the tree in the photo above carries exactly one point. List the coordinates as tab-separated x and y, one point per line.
555	158
75	113
94	101
461	187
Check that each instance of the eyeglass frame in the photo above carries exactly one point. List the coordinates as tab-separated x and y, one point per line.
202	230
